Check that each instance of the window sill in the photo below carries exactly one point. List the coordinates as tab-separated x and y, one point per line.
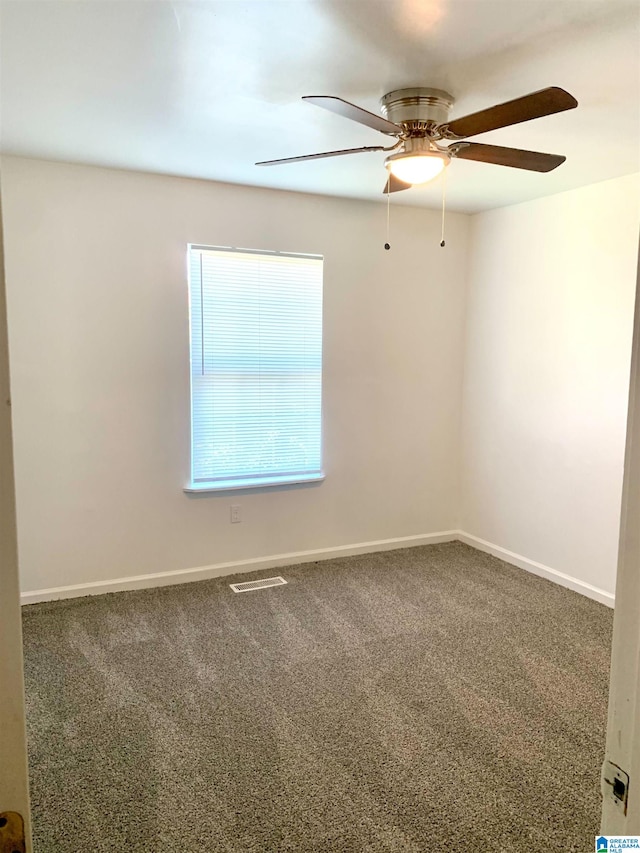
254	483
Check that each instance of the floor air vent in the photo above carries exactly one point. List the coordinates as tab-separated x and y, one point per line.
249	586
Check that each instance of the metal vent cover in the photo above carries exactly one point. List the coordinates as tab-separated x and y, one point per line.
263	583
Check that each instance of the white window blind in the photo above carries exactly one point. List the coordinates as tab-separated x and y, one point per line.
256	368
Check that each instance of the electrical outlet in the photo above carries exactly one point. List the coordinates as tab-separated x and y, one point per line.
236	515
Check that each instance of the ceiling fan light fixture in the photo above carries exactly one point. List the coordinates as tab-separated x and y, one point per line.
417	167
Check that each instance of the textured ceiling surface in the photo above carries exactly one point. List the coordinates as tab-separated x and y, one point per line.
204	89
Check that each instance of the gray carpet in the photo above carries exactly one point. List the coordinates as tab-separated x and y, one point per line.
433	698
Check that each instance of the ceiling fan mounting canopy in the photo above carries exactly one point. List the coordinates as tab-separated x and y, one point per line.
417	106
419	120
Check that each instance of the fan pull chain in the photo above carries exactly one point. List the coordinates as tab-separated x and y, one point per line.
444	195
387	245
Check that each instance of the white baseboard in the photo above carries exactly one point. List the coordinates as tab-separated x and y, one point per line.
222	569
278	560
539	569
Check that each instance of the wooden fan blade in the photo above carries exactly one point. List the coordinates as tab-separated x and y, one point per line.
517	158
543	103
394	185
347	110
320	156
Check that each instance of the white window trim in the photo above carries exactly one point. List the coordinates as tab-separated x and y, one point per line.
257	481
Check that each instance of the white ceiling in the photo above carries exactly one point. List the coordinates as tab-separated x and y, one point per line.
204	89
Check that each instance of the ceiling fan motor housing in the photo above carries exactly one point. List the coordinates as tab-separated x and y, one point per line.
417	108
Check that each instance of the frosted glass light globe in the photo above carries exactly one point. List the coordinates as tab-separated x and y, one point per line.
416	168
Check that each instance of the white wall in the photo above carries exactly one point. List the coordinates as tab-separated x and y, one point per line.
97	297
549	327
98	323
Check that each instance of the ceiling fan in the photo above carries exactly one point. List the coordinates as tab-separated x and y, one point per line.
419	119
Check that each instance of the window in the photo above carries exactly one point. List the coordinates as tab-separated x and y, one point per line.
256	368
